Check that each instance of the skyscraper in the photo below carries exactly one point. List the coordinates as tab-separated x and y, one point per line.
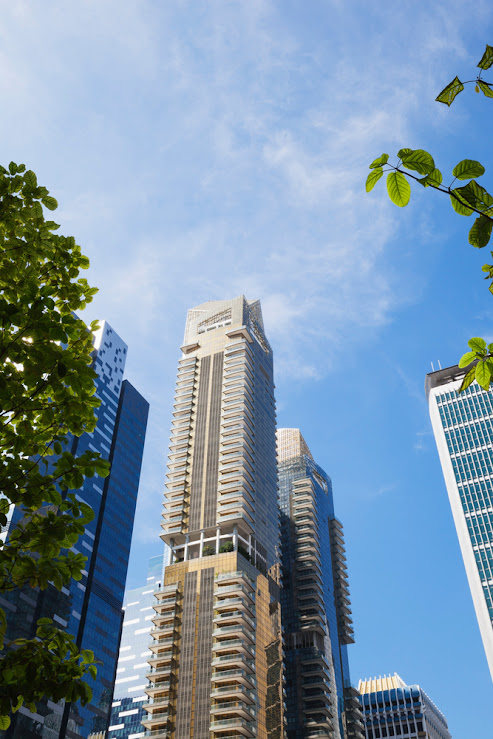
91	609
217	652
463	428
315	606
130	684
392	708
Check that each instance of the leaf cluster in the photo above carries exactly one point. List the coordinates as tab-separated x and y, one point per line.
450	92
465	200
49	665
47	396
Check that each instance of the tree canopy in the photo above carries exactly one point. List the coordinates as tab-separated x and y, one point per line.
47	394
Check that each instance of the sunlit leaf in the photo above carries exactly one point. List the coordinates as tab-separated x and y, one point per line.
380	161
373	178
434	179
403	152
419	161
468	379
483	374
468	168
467	358
477	344
486	88
449	93
487	58
398	188
460	204
480	233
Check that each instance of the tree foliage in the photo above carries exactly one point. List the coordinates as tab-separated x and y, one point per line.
47	395
466	200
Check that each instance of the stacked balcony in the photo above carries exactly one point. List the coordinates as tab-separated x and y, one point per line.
233	695
162	672
354	714
176	505
338	551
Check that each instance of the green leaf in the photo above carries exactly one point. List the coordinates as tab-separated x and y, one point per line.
30	179
467	358
404	152
4	722
12	168
434	179
37	210
480	233
468	168
475	195
449	93
380	161
460	204
398	189
419	161
373	178
485	87
487	58
468	379
49	202
477	344
483	375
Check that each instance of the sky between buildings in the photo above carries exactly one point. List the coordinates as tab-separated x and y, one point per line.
200	149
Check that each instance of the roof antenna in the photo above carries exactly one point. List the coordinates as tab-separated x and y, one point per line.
432	367
439	363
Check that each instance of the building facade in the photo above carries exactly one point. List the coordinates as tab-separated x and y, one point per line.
392	708
127	711
216	669
91	609
463	428
315	606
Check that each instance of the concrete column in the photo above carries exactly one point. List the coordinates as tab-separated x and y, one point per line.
201	548
250	544
218	539
235	537
185	556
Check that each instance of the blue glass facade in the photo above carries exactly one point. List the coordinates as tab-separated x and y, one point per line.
314	598
132	668
91	608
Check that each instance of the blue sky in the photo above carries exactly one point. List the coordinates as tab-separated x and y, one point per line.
203	149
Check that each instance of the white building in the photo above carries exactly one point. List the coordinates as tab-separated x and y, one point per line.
463	428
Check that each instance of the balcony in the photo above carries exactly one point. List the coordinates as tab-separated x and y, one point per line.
162	658
239	617
234	691
236	707
221	590
156	704
161	618
235	603
155	720
234	660
236	644
246	728
156	673
238	675
155	690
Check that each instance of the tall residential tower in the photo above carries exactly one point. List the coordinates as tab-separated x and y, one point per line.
216	669
316	611
463	428
91	609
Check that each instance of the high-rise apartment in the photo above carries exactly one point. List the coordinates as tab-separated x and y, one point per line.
216	669
463	428
392	708
91	609
315	605
127	711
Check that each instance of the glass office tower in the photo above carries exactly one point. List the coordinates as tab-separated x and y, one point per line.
315	606
463	428
91	609
131	682
216	669
392	708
